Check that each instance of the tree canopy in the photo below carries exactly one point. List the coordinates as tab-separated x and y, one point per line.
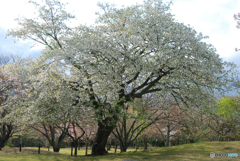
228	107
130	52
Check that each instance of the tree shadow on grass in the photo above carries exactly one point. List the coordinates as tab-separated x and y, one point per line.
27	151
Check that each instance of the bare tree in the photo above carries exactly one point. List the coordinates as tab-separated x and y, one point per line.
90	132
169	123
129	130
53	134
8	58
75	132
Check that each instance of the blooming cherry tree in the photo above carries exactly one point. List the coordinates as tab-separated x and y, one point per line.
52	107
130	52
12	93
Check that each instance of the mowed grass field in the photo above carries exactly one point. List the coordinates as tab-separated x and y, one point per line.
194	151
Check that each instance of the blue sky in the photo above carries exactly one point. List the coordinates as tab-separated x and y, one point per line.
213	18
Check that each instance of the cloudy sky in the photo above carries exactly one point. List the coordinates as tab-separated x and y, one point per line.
213	18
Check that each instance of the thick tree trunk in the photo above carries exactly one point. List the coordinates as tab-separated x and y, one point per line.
100	141
79	144
56	146
86	148
123	147
76	146
115	148
191	140
56	149
145	143
6	134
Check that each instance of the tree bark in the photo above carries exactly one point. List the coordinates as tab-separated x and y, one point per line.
5	134
79	145
86	148
126	137
101	138
50	132
136	144
115	148
56	149
168	135
145	142
108	145
123	147
76	146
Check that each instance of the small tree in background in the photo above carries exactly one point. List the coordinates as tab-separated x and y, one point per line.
228	108
8	58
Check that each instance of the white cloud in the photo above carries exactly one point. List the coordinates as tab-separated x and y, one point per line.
211	17
83	10
11	9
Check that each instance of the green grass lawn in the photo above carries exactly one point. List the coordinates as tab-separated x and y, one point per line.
195	151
